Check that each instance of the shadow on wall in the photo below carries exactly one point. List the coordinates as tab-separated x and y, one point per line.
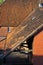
37	60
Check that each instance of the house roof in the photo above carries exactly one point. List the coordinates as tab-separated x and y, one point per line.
13	12
30	25
26	29
26	24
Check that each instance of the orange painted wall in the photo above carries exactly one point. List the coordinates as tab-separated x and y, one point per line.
38	44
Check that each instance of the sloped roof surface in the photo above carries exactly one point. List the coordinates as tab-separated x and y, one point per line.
13	12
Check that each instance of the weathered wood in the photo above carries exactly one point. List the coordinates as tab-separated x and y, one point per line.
13	12
31	23
3	35
25	24
26	29
3	31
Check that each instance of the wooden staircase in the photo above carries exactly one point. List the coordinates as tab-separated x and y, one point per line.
25	16
28	27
